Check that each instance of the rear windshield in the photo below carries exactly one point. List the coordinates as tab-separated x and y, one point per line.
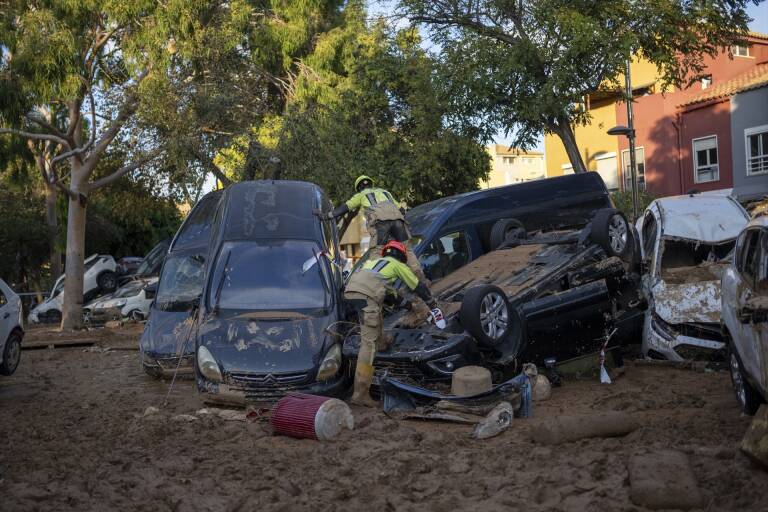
129	290
269	275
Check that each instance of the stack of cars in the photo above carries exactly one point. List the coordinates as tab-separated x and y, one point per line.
128	301
99	277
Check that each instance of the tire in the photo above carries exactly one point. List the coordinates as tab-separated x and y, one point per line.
748	397
11	354
107	281
487	315
136	315
611	231
51	317
506	230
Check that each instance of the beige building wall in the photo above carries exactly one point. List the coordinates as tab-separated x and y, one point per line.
510	166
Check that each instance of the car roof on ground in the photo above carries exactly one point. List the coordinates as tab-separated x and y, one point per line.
279	209
706	217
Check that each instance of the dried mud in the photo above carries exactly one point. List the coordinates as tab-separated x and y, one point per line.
75	438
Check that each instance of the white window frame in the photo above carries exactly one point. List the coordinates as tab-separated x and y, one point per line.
735	46
755	130
508	160
626	179
696	160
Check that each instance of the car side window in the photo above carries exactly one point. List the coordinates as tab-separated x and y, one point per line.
446	254
749	256
762	262
3	300
650	229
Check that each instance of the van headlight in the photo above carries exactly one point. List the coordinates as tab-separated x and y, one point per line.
208	365
331	363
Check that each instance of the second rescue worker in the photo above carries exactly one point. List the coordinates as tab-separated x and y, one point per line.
367	290
383	217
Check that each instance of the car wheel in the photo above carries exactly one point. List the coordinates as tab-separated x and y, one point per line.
11	354
506	230
107	281
611	231
136	315
748	397
487	315
52	317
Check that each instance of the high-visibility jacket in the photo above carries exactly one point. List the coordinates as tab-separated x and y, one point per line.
381	276
377	204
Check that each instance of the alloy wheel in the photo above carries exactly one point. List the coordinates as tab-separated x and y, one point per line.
494	316
14	354
617	234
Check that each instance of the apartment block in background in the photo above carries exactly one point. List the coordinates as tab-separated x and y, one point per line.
511	165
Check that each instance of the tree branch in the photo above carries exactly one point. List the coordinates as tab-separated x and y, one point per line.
208	163
106	180
35	136
45	124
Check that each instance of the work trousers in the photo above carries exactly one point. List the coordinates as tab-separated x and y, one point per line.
371	326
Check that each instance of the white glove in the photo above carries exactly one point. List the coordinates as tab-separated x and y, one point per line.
436	317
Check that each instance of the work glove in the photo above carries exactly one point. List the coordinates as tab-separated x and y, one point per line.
436	317
405	304
323	216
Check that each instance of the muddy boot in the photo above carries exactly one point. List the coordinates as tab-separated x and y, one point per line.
361	394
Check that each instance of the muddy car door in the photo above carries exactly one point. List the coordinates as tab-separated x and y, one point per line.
745	287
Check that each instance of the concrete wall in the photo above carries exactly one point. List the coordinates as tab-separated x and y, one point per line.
748	109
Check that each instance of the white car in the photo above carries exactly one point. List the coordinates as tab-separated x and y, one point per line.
11	332
745	315
686	243
100	276
129	301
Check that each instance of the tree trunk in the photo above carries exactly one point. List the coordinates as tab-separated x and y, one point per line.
52	221
565	132
72	309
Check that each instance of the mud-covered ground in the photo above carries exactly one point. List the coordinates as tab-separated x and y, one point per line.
74	438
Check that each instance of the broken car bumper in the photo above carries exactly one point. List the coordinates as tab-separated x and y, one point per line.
680	342
165	365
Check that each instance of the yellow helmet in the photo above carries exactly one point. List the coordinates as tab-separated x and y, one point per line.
361	179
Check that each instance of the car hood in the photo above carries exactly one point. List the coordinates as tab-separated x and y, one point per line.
688	302
165	333
242	343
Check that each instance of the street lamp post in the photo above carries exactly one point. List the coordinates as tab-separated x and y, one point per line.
629	132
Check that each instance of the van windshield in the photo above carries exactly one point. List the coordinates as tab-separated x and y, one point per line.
267	275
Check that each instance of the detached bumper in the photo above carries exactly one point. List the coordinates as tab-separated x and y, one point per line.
680	342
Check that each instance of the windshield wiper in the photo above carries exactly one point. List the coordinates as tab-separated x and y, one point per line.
216	297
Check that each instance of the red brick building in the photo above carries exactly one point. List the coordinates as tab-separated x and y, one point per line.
674	126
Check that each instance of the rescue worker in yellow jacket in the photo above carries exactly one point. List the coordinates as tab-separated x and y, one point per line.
367	290
383	217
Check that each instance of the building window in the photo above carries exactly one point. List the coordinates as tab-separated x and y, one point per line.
509	160
706	81
740	51
567	169
705	166
757	149
640	162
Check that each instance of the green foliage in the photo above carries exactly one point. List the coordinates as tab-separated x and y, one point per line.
524	67
622	200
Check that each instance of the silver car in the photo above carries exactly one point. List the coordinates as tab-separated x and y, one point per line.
11	332
745	315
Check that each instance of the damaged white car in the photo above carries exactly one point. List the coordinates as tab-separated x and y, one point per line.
745	315
686	242
129	301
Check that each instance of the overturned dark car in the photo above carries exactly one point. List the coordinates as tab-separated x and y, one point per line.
165	344
270	311
544	272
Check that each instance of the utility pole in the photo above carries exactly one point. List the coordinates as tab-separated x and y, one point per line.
631	137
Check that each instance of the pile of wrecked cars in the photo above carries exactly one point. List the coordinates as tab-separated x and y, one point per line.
250	295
